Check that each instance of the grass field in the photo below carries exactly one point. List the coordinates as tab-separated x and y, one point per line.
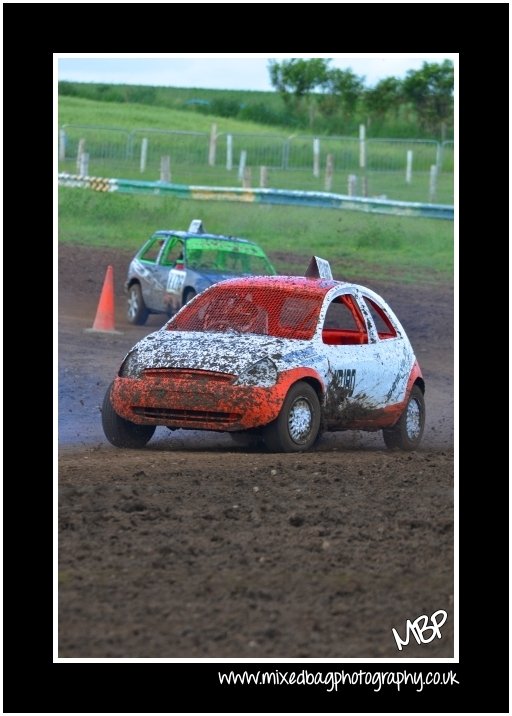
75	110
113	134
264	107
185	98
359	246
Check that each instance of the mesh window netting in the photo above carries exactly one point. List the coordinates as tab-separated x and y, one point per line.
289	311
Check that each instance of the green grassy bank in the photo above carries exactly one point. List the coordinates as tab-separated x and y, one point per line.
358	246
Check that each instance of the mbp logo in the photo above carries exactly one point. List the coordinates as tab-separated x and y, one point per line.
418	628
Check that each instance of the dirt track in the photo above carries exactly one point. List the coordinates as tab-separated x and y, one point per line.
195	547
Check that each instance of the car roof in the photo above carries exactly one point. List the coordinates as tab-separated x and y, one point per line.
314	286
192	235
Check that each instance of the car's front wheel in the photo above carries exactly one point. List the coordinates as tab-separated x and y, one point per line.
297	426
137	311
408	431
120	432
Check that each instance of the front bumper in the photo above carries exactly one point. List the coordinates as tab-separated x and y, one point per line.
200	399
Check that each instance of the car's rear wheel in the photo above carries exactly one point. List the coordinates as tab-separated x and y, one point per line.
137	311
297	426
408	431
189	295
120	432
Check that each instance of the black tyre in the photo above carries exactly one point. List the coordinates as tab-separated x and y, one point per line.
298	423
120	432
189	295
408	431
137	311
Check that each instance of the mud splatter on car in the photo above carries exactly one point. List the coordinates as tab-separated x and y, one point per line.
285	355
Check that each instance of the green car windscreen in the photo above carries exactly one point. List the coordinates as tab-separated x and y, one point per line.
213	255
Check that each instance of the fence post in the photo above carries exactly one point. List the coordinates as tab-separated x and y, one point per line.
229	152
329	170
264	177
165	168
352	185
62	145
213	145
84	165
316	157
247	178
362	146
143	154
433	183
408	170
81	149
439	157
241	166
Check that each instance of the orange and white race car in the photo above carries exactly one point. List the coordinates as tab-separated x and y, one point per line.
283	357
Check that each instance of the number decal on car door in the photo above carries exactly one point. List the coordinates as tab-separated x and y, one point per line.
175	280
346	379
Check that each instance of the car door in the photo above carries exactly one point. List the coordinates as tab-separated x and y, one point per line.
172	274
149	271
160	271
392	355
353	376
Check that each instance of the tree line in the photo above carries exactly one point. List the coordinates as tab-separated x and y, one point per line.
322	95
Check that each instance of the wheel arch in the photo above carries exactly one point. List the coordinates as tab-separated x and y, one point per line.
421	384
186	290
315	383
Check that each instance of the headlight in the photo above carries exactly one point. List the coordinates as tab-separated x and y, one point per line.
263	374
130	366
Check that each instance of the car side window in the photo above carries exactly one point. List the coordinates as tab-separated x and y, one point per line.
173	253
344	324
152	250
385	328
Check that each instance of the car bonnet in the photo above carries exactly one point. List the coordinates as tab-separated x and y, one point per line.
224	352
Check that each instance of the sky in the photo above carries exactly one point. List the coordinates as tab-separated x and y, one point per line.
246	72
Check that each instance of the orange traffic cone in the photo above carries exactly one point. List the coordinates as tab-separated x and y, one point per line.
104	321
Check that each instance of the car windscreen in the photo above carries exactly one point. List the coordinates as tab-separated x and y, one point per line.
263	310
226	257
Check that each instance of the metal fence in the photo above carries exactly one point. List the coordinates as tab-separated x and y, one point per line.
326	200
393	168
